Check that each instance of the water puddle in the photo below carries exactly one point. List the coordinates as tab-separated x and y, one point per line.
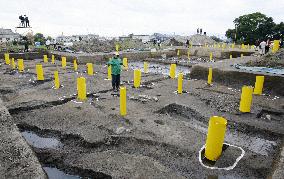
54	173
278	71
41	142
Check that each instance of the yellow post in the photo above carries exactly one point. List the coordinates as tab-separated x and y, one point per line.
178	52
21	66
173	71
180	79
56	80
39	72
45	59
137	78
117	47
123	101
109	73
13	65
188	54
258	86
90	69
81	88
233	45
63	62
146	67
246	99
52	59
215	137
210	75
125	63
75	65
276	44
7	58
190	45
231	56
242	55
243	46
211	56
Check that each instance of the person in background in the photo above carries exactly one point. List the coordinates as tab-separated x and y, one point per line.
268	43
200	31
262	47
187	43
27	21
115	64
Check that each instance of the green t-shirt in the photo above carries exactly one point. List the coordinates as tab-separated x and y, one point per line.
115	66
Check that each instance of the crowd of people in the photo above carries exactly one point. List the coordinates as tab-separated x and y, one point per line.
265	45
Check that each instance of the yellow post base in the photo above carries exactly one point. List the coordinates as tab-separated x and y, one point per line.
75	65
210	75
137	78
258	85
109	72
231	56
123	111
21	66
178	52
180	79
173	71
7	58
90	69
125	64
56	80
45	59
246	99
52	59
215	137
242	55
39	72
13	65
146	66
81	88
63	62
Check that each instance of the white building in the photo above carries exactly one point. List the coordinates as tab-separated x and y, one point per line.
7	35
76	38
143	38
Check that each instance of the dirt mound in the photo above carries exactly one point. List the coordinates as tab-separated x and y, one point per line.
196	39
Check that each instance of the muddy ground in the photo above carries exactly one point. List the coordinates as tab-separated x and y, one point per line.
161	136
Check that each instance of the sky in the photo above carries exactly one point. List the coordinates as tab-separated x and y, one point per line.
122	17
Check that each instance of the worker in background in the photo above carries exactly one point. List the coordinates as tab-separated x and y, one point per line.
262	46
115	64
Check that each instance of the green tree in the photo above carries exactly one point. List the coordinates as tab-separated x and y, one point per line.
38	37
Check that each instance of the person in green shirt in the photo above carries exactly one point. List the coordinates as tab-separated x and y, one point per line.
115	64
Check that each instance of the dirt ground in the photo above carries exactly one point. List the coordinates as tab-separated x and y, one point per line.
162	134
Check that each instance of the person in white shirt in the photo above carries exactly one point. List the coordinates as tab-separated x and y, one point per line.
262	47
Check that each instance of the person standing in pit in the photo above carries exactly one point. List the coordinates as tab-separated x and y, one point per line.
262	46
115	64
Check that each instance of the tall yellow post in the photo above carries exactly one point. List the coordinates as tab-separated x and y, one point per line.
39	72
215	137
231	56
173	71
13	65
258	85
81	88
109	73
210	75
137	78
75	65
180	79
21	66
117	47
125	63
276	44
211	56
122	97
56	80
52	59
188	54
146	66
45	59
242	55
90	69
7	58
178	52
243	46
246	99
63	62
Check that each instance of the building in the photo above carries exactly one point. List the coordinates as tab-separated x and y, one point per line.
7	35
76	38
143	38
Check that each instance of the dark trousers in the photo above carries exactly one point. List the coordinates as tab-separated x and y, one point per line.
115	81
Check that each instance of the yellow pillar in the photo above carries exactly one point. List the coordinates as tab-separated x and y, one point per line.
231	56
90	69
56	80
258	85
39	72
137	78
188	54
109	73
52	59
243	46
180	79
75	65
21	66
45	59
215	137
210	75
276	44
122	97
173	71
242	55
146	67
211	56
13	65
63	62
246	99
178	52
125	63
81	88
117	47
7	58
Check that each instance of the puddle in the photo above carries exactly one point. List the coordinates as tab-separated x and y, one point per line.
54	173
158	68
41	142
278	71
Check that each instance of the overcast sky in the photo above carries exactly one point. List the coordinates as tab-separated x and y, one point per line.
121	17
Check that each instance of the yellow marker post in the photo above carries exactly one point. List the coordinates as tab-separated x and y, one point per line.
178	52
13	65
146	66
117	47
258	85
188	54
63	62
109	77
21	66
246	99
81	88
56	80
243	46
276	45
122	99
242	55
231	56
7	58
39	72
137	78
52	59
211	56
90	69
215	137
125	64
210	75
45	59
180	79
75	65
173	71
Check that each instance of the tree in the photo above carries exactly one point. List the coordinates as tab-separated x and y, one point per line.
38	37
217	39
